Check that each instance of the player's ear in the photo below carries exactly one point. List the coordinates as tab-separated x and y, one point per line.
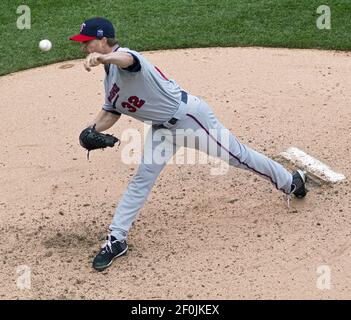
104	42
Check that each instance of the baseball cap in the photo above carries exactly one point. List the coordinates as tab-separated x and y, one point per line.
95	28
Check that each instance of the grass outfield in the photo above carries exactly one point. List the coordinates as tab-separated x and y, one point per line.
157	24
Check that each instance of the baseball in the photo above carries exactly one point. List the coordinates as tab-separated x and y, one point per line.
45	45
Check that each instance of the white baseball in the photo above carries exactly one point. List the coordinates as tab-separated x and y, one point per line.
45	45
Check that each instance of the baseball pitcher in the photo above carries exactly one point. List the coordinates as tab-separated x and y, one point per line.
134	87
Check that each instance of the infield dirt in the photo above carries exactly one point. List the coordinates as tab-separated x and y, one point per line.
199	236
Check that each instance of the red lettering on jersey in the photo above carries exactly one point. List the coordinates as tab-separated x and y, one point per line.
133	103
128	106
136	101
113	92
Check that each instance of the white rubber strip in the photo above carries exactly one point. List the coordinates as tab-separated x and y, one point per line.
310	164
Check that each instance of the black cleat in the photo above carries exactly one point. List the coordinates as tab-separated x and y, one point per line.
298	185
111	250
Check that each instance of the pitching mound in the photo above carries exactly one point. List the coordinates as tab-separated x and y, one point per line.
200	236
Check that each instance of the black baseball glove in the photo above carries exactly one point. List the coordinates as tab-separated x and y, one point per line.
91	139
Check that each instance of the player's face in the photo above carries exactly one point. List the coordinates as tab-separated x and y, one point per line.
92	46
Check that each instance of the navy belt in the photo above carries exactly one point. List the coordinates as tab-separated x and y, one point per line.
184	99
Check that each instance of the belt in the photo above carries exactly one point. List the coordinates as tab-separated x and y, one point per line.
184	99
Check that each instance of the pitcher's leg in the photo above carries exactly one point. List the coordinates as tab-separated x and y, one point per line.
140	186
250	159
237	154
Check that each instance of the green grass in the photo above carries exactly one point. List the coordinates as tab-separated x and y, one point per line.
161	24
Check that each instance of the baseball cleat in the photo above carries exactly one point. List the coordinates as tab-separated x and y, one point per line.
298	185
110	250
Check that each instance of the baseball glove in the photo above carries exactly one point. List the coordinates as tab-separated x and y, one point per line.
91	139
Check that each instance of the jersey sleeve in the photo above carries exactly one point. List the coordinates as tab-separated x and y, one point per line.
136	66
109	108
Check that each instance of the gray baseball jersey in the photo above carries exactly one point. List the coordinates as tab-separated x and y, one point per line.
141	91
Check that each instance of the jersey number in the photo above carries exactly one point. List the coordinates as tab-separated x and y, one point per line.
133	104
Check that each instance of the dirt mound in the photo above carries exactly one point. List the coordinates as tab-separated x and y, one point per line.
199	236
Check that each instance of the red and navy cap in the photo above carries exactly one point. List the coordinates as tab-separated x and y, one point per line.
95	28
